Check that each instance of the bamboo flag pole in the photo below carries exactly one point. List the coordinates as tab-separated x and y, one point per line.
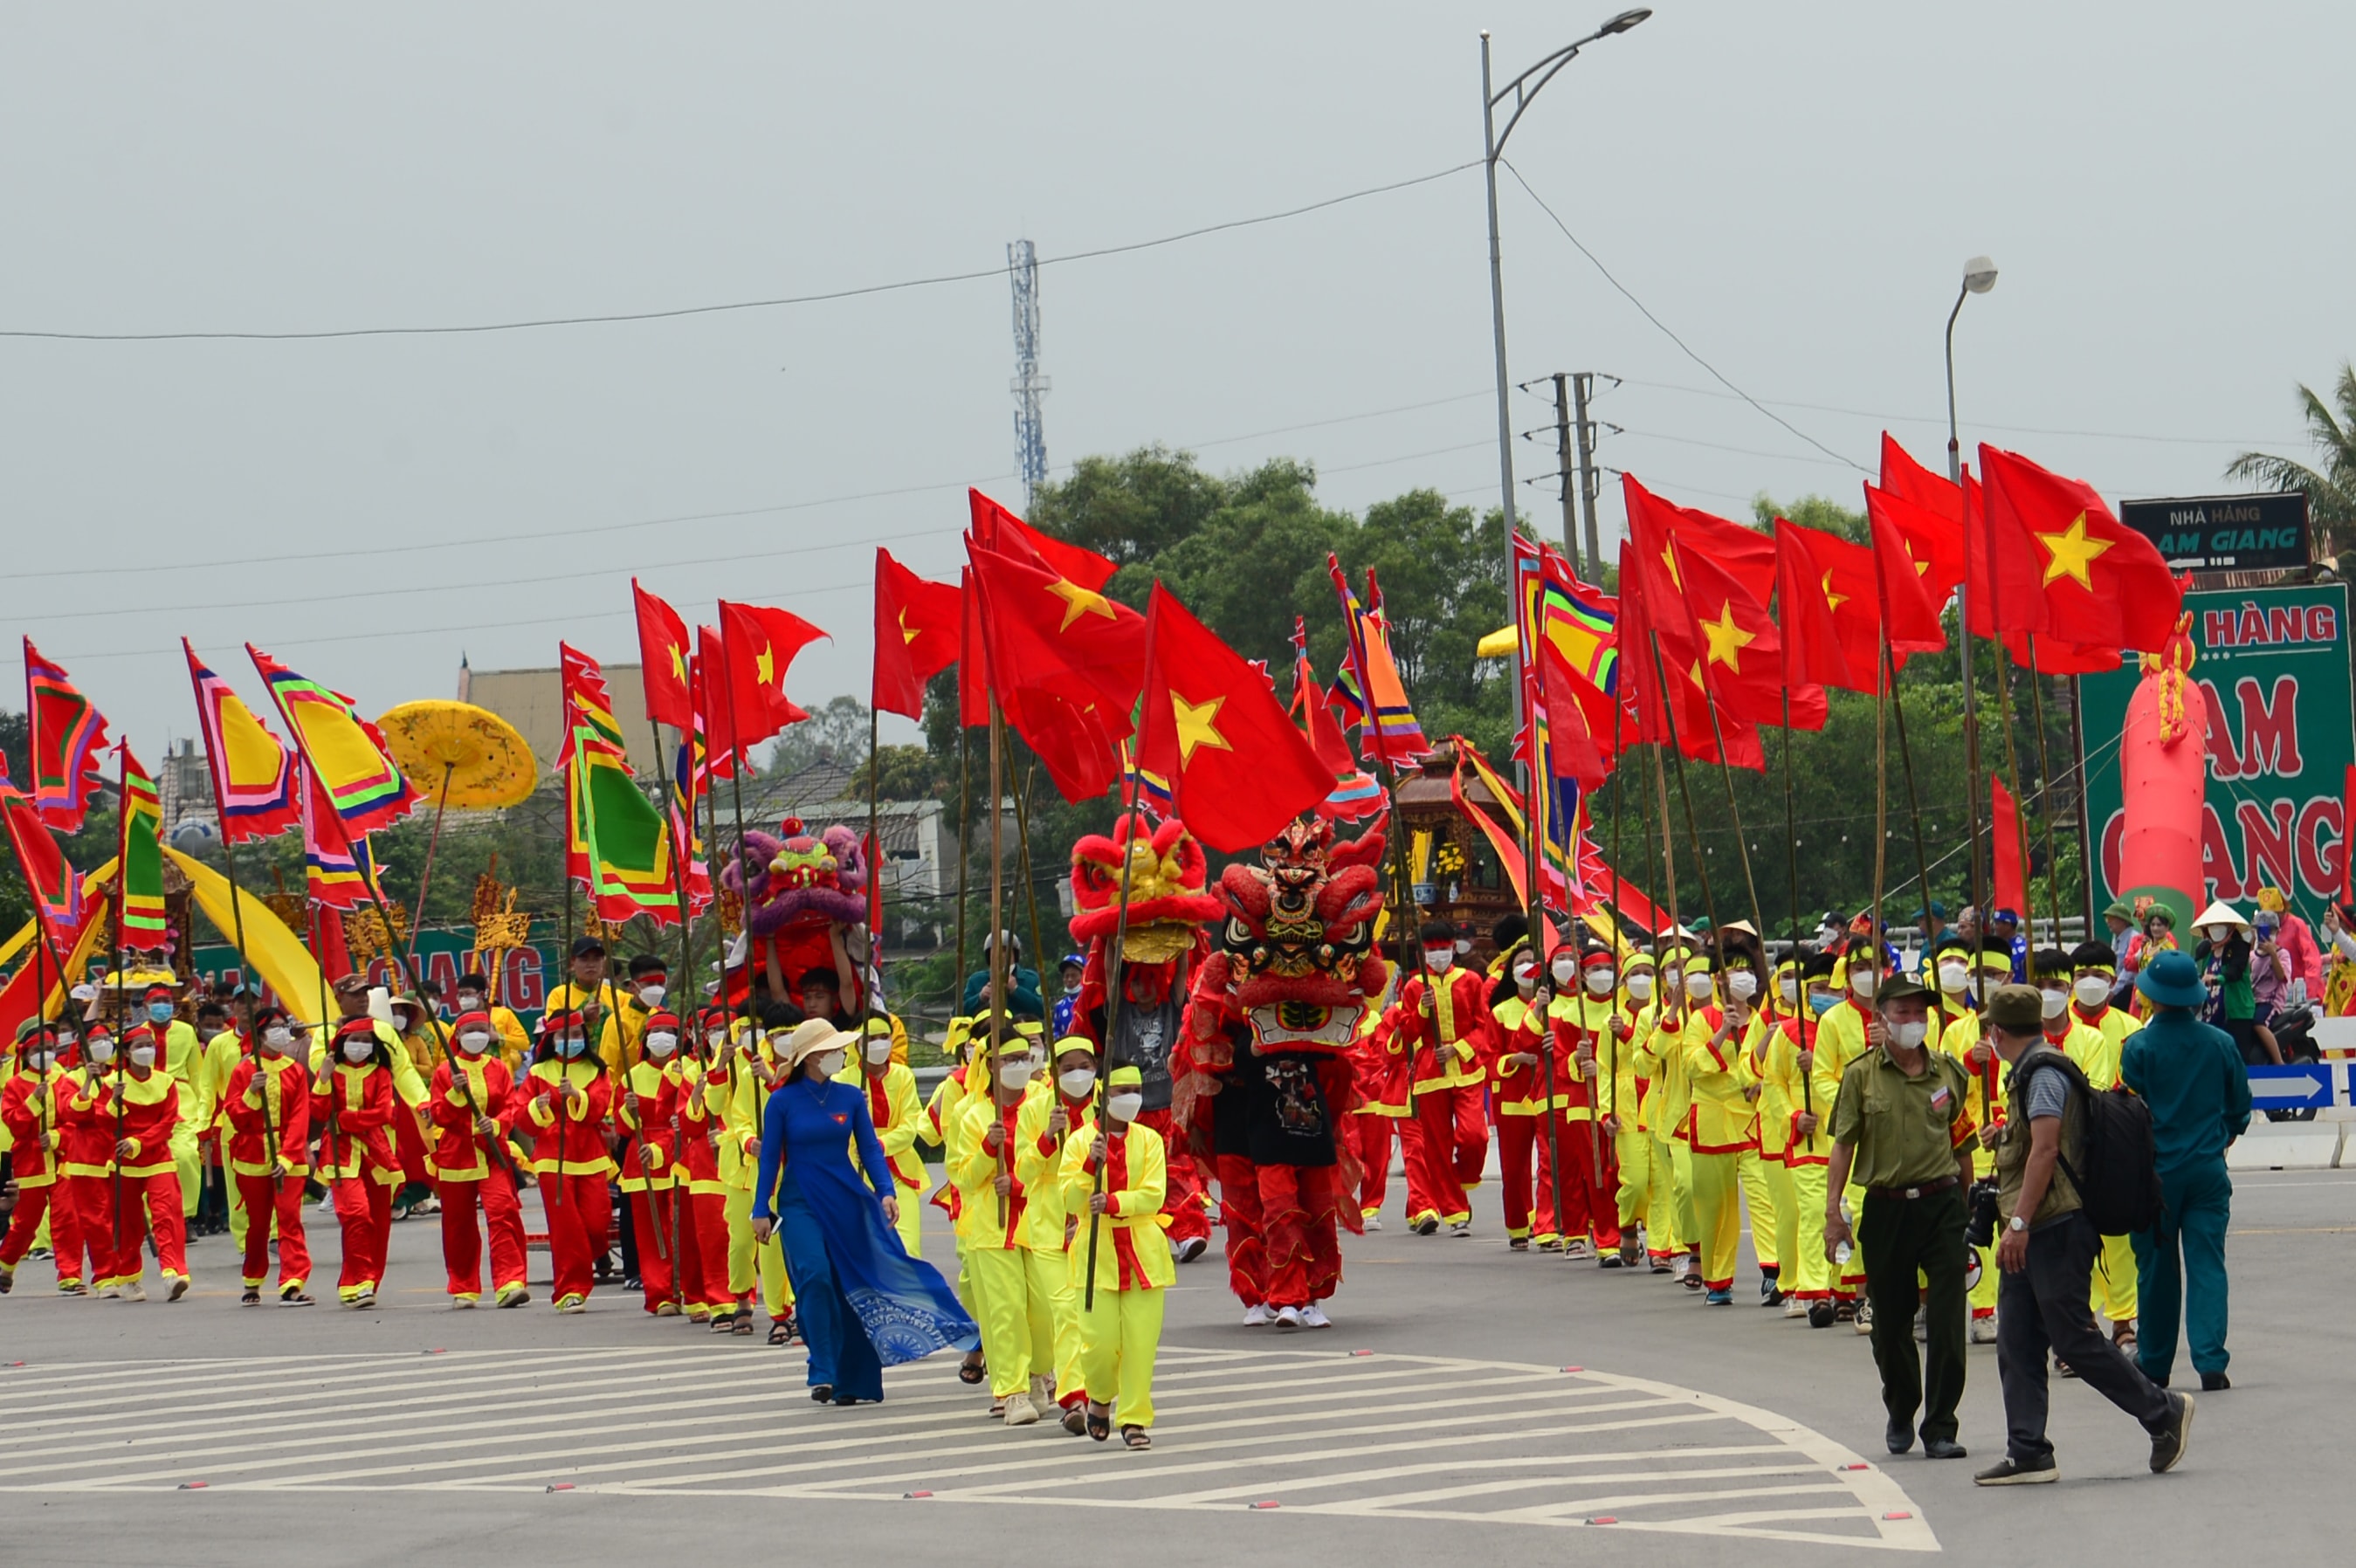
1677	758
1115	986
2045	795
1906	762
121	1013
996	998
1023	859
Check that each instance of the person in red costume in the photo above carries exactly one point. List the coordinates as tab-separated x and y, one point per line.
1441	1025
353	1095
1162	945
563	1102
28	1109
1263	1077
268	1103
472	1168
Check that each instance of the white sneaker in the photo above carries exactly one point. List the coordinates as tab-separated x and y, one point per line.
1680	1266
1314	1316
110	1293
1984	1330
462	1302
1257	1317
1042	1390
1019	1410
1462	1228
133	1291
1374	1221
1190	1249
1578	1247
1794	1308
1288	1317
1864	1316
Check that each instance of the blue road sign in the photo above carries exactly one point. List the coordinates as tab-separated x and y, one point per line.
2298	1083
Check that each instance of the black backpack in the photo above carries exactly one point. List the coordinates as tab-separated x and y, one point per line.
2118	1177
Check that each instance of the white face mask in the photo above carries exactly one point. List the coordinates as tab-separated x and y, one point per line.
2093	990
1742	985
1526	979
652	995
36	1060
715	1037
1562	969
1601	981
1076	1084
1440	960
660	1046
1463	945
470	1001
100	1051
278	1040
474	1042
359	1051
879	1049
830	1062
1014	1075
1910	1036
1640	987
1124	1107
1952	977
1789	989
2055	1003
1697	987
1863	982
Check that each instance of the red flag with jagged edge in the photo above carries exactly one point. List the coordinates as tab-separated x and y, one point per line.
2098	581
588	707
757	645
1047	631
1817	578
1239	770
662	661
917	627
720	748
1906	576
1572	751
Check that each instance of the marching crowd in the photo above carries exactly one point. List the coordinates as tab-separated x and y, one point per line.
1648	1103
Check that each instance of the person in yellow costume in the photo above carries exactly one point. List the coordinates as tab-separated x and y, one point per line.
1018	1332
219	1050
1054	1112
1965	1038
2091	1037
1743	971
1772	1102
730	1059
1627	1118
1719	1030
1788	1084
591	990
515	1040
757	1069
1682	972
1114	1176
944	1122
890	1085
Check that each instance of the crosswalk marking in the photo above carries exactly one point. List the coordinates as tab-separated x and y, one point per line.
1428	1439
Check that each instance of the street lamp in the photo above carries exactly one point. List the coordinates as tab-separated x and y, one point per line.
1521	90
1979	277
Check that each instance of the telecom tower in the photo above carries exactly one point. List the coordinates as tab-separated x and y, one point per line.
1028	386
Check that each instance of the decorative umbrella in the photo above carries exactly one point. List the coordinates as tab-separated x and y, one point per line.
467	756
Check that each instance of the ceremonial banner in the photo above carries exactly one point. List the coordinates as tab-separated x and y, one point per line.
253	775
140	851
619	846
2271	668
349	766
65	734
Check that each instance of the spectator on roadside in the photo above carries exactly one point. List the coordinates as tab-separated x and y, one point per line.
2047	1253
2191	1077
2299	944
2120	919
2270	968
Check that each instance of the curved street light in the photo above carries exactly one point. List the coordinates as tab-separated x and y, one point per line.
1979	277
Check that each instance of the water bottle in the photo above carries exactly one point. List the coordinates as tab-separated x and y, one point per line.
1842	1250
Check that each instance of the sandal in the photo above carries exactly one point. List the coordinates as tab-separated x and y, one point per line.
743	1325
1076	1419
971	1369
253	1298
781	1332
724	1322
1136	1437
1100	1422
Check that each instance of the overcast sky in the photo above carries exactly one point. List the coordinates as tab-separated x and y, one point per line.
1791	188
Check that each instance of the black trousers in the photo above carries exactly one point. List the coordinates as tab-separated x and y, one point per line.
1899	1237
2045	1307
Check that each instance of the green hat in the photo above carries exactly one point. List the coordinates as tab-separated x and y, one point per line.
1898	988
2121	910
2021	1008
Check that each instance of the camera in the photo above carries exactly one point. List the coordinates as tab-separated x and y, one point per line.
1979	1230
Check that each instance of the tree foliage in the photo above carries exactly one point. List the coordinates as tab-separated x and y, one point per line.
2330	485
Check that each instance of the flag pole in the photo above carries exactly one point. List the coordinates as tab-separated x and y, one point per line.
122	1014
1115	985
432	842
2045	794
1792	862
1880	814
1677	759
1023	858
1906	761
875	870
995	996
2012	765
740	759
687	961
965	846
1619	933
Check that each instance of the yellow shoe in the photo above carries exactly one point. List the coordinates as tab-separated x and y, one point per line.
666	1308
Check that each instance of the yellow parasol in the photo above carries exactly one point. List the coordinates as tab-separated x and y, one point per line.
462	755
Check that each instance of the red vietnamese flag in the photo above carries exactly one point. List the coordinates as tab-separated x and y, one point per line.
1908	576
1055	632
1572	749
1239	770
995	528
1739	653
2099	583
1073	726
662	661
757	645
1745	554
1827	607
2010	848
719	741
918	625
1647	655
973	657
1928	510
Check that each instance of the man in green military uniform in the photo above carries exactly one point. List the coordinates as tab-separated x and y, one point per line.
1900	1131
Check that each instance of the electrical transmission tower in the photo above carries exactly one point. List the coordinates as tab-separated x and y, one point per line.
1028	386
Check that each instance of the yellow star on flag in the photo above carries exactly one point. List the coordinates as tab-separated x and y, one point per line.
1197	726
1922	568
905	635
1726	639
765	666
1833	601
2070	552
677	662
1079	602
1669	557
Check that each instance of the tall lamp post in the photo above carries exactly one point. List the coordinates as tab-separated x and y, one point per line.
1520	90
1979	277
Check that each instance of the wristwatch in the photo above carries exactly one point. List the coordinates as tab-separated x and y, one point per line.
2017	1223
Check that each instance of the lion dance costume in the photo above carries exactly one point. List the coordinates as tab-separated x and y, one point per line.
1163	947
1265	1075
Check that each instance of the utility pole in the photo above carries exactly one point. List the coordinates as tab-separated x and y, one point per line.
1562	463
1583	385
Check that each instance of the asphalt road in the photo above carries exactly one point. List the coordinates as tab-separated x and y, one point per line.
1466	1398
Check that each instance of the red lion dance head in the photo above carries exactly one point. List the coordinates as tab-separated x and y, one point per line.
1295	955
1168	908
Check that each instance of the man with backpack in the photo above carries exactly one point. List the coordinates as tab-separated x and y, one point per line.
2191	1076
2070	1165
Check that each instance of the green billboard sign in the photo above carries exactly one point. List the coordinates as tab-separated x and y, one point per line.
2272	668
